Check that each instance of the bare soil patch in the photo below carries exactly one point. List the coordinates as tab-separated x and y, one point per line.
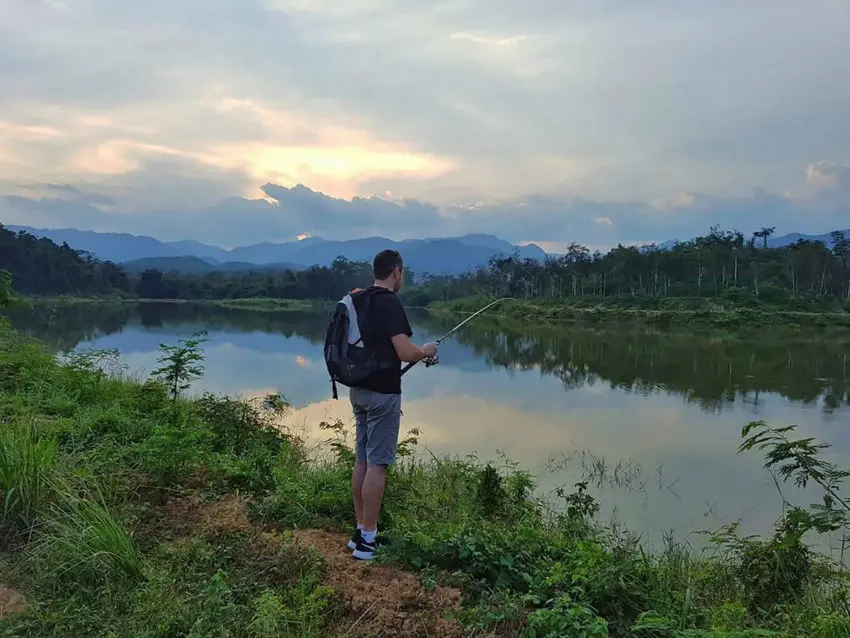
182	517
382	601
11	602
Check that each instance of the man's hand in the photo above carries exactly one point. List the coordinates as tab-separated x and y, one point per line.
410	353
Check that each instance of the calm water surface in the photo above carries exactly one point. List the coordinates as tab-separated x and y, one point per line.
652	420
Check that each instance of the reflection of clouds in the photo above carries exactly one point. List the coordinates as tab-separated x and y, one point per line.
664	442
707	469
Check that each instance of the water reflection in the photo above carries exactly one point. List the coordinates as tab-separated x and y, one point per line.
660	414
711	373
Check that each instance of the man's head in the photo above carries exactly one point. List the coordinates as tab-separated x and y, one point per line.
388	269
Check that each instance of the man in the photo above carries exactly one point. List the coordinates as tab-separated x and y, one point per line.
376	401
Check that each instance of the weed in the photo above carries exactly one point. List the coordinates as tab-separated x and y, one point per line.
27	473
565	619
83	543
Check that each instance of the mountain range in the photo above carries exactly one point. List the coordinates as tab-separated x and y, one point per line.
439	255
435	255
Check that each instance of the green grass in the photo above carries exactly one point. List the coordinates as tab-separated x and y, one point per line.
105	477
27	474
262	304
657	312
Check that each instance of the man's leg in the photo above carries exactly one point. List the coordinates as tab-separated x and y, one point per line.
357	479
373	495
383	421
360	436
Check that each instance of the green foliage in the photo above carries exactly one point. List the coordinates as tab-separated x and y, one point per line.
27	474
771	572
234	423
38	266
82	544
710	270
580	505
491	494
7	294
180	364
565	619
800	460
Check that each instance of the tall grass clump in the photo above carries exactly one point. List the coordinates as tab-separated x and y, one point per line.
27	474
83	543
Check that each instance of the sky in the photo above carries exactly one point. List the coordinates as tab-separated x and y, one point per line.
552	121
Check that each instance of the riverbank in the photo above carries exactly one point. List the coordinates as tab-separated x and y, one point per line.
659	313
130	512
259	304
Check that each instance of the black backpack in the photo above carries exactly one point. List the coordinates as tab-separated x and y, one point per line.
351	360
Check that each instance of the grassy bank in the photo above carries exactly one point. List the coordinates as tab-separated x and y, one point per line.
262	304
657	312
131	511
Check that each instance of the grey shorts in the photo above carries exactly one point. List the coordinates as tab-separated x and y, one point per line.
378	418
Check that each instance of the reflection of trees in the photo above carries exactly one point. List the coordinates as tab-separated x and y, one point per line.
63	326
711	373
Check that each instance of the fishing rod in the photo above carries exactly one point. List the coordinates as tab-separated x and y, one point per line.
432	361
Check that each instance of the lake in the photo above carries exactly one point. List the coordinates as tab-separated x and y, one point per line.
653	421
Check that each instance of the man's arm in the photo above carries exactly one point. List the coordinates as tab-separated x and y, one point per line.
408	351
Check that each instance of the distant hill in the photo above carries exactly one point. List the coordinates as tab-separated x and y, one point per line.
775	242
793	238
189	265
452	255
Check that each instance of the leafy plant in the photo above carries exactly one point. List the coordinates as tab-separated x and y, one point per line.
180	364
566	619
491	493
269	616
580	505
800	460
217	610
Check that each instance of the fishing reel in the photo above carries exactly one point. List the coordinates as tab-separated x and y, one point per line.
431	361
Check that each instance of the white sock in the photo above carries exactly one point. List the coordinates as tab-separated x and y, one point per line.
369	537
360	526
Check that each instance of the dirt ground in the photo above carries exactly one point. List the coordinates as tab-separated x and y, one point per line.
11	602
383	601
379	601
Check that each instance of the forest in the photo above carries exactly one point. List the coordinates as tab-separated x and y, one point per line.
721	264
38	266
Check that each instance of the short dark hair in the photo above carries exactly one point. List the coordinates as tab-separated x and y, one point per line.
385	262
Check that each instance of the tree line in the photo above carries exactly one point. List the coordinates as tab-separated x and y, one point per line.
720	264
38	266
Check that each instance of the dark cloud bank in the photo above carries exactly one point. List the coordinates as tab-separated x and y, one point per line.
288	212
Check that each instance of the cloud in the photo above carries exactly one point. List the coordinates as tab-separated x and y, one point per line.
563	113
478	39
282	213
826	175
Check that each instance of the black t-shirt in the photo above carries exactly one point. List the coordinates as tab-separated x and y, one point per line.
386	319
